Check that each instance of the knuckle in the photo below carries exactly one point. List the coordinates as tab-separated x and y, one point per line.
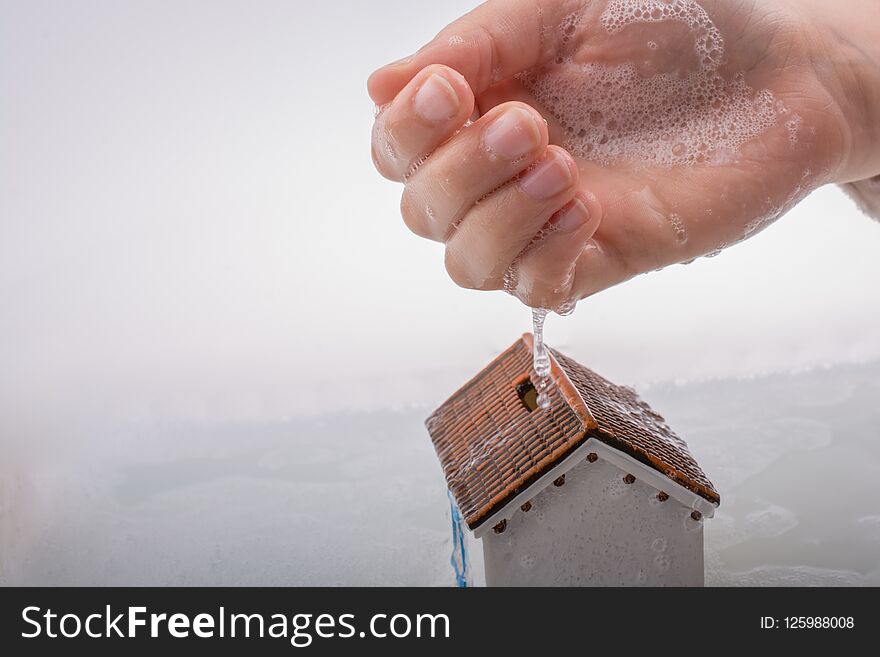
458	271
489	57
462	270
413	213
382	166
384	152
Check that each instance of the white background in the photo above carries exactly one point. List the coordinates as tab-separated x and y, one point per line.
189	217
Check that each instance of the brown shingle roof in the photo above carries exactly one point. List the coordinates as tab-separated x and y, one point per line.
491	447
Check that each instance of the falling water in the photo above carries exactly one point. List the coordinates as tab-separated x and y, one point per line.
459	560
540	357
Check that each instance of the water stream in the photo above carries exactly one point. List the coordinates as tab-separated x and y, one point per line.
540	357
460	560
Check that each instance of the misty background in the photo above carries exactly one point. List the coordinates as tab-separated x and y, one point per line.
213	322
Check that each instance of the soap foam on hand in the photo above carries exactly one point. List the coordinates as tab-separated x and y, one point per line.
615	112
612	113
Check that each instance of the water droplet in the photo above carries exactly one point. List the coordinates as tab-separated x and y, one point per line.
566	308
681	235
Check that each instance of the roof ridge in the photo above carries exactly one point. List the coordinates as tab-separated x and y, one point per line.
574	398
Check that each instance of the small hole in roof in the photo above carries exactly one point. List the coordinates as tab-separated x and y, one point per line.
527	395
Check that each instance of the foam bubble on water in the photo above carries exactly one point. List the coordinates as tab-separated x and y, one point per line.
871	526
615	112
770	521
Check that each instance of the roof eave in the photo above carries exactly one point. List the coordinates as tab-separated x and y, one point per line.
664	469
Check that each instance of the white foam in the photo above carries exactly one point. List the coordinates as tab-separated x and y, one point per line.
615	112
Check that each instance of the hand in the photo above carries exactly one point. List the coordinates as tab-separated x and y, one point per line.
616	137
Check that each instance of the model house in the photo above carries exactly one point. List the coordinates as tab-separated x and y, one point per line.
594	490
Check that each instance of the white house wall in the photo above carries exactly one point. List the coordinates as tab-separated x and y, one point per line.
596	530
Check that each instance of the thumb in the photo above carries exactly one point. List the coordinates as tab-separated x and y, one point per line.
495	41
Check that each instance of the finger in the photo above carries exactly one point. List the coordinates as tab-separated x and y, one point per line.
493	42
471	165
496	230
431	108
598	268
543	276
503	92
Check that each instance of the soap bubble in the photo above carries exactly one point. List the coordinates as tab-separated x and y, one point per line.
614	112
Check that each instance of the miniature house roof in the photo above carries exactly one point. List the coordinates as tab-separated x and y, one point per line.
494	444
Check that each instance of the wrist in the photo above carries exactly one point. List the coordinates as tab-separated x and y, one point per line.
845	52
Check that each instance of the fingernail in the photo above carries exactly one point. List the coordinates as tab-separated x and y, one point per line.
436	100
548	179
572	216
512	135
